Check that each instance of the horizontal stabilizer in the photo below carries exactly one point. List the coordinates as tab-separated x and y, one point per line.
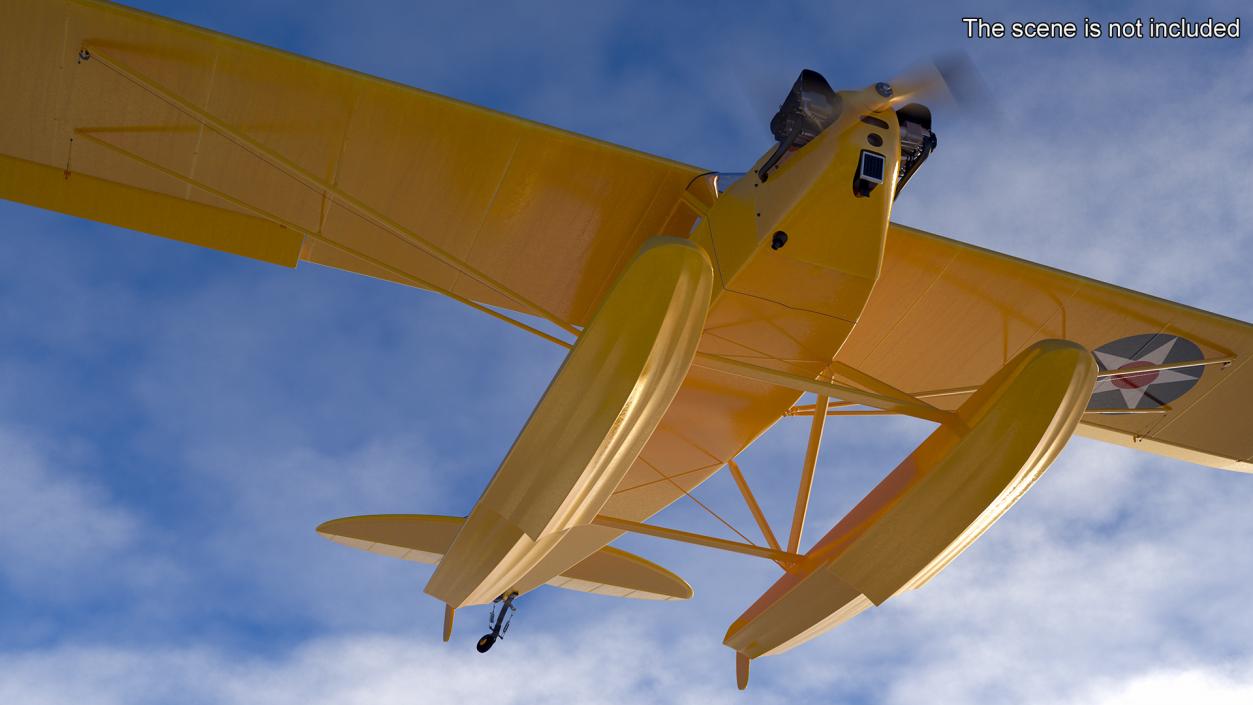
423	538
614	572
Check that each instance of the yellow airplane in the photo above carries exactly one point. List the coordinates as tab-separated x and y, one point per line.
697	307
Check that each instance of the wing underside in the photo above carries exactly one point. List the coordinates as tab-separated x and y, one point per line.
146	123
945	315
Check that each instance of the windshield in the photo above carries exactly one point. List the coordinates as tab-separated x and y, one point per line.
724	179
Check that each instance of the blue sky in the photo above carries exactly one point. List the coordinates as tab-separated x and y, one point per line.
174	422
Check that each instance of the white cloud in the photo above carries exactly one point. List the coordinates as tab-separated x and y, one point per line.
1199	684
610	663
1098	165
56	527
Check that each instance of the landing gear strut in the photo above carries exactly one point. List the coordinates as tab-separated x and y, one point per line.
498	624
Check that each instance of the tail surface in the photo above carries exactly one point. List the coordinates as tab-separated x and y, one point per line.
423	538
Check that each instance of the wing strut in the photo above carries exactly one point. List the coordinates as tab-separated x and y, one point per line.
89	134
807	474
1224	361
329	191
747	549
784	559
836	409
885	399
900	403
753	507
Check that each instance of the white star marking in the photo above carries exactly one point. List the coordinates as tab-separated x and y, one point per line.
1133	395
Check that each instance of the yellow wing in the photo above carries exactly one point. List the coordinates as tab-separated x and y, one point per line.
139	121
947	315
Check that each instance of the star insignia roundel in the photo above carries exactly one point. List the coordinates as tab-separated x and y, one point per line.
1146	390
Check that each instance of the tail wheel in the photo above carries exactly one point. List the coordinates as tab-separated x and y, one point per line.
485	643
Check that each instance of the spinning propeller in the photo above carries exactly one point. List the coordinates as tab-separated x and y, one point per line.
812	106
